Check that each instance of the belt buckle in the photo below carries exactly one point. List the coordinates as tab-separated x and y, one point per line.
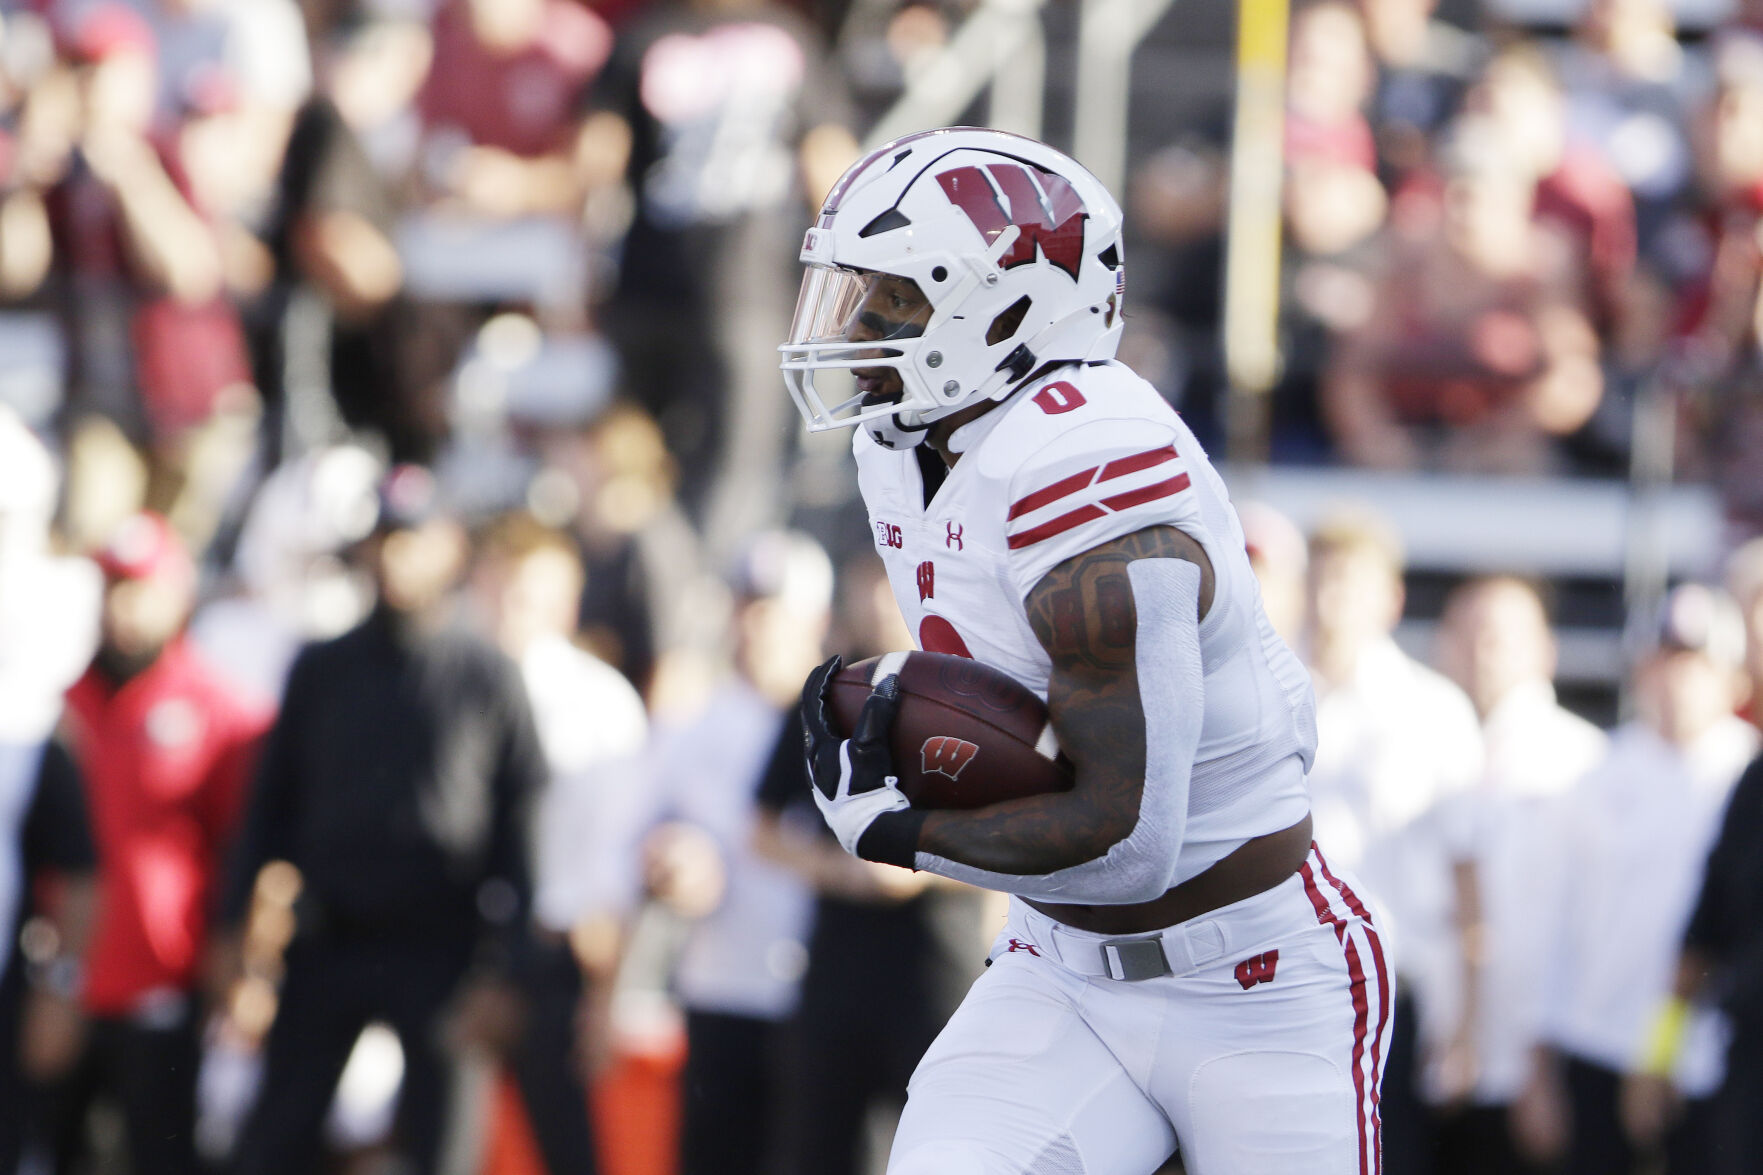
1133	959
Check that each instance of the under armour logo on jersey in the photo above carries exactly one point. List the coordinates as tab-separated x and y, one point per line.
1257	969
927	580
946	755
1045	209
952	536
1016	944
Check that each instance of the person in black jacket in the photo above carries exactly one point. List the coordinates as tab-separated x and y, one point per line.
396	780
1721	963
44	831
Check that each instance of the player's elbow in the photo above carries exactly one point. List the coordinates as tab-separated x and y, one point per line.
1143	876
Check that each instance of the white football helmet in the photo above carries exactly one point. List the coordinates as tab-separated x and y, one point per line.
1015	246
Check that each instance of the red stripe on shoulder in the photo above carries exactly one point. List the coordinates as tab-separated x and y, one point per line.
1059	525
1122	466
1052	493
1150	493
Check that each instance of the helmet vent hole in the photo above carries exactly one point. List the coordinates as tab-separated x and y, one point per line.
887	222
1006	324
1109	257
939	274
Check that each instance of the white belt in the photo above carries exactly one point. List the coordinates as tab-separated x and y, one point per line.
1181	949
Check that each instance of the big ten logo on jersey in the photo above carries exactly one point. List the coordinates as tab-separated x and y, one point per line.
889	535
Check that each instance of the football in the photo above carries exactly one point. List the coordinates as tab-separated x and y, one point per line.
965	735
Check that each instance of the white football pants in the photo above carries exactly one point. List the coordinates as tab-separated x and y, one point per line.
1261	1052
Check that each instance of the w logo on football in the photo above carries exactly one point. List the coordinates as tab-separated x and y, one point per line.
946	755
1257	969
1042	205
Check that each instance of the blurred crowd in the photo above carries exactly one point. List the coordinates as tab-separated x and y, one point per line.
399	645
1505	252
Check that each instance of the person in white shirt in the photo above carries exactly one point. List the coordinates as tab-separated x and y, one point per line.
1395	739
1633	836
1495	642
592	728
743	947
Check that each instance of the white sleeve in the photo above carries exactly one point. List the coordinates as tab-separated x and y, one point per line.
1089	486
1166	594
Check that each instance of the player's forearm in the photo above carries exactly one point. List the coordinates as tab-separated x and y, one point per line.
1040	834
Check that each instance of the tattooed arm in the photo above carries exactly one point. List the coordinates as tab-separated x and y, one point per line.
1086	614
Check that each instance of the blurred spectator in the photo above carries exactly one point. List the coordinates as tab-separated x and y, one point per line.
592	727
47	897
1177	211
613	479
1478	353
289	583
1626	87
1633	837
156	347
1495	643
165	744
48	603
1719	963
322	331
501	103
1577	192
1423	67
1333	199
1395	742
1717	260
727	124
1333	204
397	781
891	954
1744	582
741	961
1278	555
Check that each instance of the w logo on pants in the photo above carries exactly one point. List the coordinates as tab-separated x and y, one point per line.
1257	969
946	755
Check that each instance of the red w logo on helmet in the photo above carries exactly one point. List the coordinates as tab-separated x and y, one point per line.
1043	205
946	755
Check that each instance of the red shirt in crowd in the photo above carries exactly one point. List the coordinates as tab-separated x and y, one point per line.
526	102
166	760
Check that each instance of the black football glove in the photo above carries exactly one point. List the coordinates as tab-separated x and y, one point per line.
854	782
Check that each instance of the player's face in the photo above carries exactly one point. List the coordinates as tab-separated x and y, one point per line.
894	308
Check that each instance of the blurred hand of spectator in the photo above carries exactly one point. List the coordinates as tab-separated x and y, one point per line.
51	1035
487	1015
1650	1104
350	258
684	869
1541	1119
174	249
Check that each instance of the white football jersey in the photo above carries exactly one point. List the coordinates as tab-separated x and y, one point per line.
1083	456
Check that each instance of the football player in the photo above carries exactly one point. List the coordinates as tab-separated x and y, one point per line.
1180	965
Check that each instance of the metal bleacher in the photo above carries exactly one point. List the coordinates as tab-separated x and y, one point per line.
1578	538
